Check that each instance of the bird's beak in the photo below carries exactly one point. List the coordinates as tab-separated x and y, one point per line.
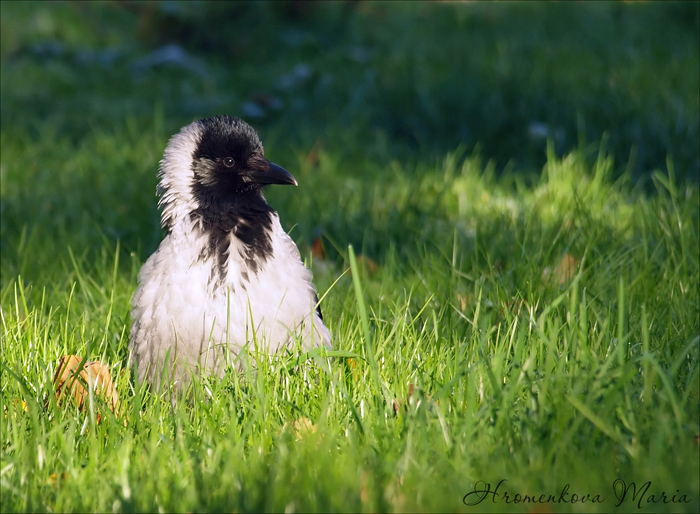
271	174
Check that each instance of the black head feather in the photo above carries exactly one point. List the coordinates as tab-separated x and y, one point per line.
231	204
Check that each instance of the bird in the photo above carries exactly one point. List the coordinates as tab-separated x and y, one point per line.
226	275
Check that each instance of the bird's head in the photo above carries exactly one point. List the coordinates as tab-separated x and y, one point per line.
213	161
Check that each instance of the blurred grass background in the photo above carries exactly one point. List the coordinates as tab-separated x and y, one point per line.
363	84
424	77
360	80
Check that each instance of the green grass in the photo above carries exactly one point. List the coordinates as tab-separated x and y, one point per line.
463	357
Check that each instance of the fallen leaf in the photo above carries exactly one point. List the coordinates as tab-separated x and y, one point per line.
369	265
300	429
17	403
562	272
303	427
54	478
317	249
463	301
354	369
71	381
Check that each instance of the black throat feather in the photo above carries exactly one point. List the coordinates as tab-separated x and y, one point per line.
245	216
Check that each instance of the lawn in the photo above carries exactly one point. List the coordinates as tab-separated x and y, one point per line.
508	199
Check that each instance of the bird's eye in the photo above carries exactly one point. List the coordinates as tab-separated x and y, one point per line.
229	162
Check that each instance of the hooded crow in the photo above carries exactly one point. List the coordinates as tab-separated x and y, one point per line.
226	275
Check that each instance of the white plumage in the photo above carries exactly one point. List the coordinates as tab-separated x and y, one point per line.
226	273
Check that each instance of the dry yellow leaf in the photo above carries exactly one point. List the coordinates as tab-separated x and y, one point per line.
317	249
54	478
71	380
17	403
564	271
463	301
303	426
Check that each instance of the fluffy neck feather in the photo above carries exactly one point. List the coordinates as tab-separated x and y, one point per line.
246	217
